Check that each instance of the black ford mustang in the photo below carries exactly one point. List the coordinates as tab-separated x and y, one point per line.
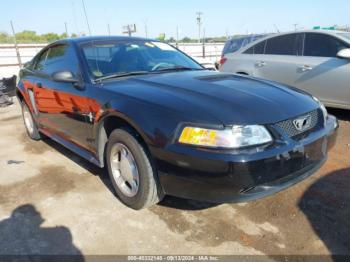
162	124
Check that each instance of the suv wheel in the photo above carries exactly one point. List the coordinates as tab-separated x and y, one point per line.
29	123
131	172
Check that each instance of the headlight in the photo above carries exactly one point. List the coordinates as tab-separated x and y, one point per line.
323	108
238	136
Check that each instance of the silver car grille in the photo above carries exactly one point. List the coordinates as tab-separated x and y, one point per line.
289	127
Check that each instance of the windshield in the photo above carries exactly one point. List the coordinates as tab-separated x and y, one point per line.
122	57
346	35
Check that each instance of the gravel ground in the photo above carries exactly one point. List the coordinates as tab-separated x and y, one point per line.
53	202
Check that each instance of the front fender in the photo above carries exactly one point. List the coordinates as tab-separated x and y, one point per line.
156	126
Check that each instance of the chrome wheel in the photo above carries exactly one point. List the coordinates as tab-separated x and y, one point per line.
124	170
28	120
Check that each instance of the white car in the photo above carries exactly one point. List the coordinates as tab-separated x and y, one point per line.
206	63
317	61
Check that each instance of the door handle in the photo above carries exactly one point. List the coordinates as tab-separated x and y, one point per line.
39	85
260	64
305	68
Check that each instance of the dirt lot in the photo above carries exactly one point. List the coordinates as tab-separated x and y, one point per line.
53	202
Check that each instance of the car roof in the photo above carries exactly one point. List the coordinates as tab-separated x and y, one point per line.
85	39
319	31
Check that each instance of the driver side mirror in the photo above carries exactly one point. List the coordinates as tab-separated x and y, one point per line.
345	53
67	77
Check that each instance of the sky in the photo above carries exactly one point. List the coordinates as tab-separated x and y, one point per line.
220	17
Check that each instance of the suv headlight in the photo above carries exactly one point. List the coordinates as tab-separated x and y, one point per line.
323	108
236	137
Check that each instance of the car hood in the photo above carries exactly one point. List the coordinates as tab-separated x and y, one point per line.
231	99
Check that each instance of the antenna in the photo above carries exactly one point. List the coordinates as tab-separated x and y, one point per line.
86	17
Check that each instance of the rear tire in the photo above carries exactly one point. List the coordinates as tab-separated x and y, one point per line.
29	123
131	171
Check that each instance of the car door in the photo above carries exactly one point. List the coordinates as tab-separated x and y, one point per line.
280	58
30	77
322	73
62	108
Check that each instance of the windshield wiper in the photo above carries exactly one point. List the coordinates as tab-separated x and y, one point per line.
177	68
121	74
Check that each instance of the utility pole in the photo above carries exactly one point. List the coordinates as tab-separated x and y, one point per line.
295	26
77	31
199	23
16	46
86	17
65	25
109	29
146	28
203	44
177	36
129	29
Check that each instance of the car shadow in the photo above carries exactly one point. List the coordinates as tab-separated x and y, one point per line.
326	204
22	234
185	204
341	114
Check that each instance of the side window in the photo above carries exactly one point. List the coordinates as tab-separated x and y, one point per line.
61	57
40	62
258	49
322	45
285	45
57	58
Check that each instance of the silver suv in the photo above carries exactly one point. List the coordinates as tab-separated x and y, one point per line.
316	61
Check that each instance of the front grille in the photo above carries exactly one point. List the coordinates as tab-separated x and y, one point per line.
289	127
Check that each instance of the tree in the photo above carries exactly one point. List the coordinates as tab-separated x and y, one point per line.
64	35
5	38
50	37
186	40
27	36
161	37
171	40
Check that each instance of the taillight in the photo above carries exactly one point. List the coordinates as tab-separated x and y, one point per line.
223	60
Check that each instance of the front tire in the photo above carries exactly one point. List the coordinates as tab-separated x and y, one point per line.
131	171
29	123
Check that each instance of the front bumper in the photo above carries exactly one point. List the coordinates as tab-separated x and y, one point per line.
203	174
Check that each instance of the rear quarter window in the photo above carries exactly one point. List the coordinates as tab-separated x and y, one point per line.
236	44
290	44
